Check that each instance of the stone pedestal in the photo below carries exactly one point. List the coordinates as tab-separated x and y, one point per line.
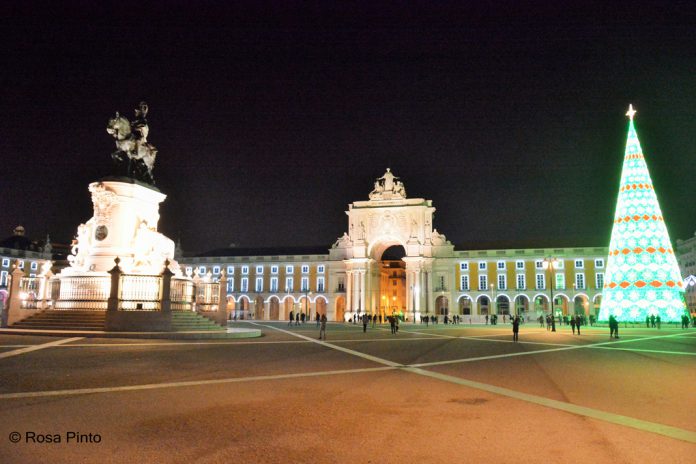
124	225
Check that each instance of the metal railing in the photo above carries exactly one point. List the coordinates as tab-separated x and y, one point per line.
31	292
181	295
207	296
86	293
140	293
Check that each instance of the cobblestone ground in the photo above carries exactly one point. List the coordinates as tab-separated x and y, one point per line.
427	394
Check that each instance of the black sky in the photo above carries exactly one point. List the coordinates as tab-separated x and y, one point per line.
271	118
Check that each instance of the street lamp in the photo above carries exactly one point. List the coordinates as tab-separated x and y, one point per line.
549	264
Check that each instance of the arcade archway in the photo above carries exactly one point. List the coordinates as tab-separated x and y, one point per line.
274	309
390	292
340	309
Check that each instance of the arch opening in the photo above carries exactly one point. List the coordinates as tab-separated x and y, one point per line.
391	288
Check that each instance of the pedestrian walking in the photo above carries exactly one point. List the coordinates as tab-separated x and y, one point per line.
318	320
292	317
297	319
658	320
515	328
572	324
613	327
578	323
364	321
392	324
322	330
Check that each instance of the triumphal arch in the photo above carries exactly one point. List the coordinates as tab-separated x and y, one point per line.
389	219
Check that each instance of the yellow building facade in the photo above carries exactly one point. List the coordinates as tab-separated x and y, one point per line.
354	276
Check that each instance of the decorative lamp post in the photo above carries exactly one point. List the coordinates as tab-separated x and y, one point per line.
549	264
494	306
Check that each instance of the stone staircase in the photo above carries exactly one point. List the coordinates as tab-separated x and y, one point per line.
182	321
63	320
189	321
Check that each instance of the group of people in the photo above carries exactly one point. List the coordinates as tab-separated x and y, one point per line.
299	317
654	321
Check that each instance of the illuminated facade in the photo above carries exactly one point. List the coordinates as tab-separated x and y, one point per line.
432	278
686	257
643	277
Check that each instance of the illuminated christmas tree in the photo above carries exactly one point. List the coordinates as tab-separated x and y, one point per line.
642	277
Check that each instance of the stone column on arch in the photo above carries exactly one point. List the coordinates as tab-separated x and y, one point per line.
349	291
363	288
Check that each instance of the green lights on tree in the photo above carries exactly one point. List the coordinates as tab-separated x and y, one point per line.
642	277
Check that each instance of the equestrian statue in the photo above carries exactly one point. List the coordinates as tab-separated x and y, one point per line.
134	157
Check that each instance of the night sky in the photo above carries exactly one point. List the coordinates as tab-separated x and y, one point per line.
271	119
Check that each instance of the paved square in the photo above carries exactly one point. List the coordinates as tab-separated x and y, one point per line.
432	394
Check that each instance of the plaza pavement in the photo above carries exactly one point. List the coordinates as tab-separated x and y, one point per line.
428	394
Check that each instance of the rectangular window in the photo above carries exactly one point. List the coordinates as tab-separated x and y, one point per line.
289	269
259	285
579	264
394	283
539	264
289	283
341	284
202	270
230	286
599	263
230	270
599	280
320	284
441	281
189	270
3	278
521	282
519	265
580	281
501	265
464	266
560	281
259	270
464	282
34	265
540	282
216	269
483	282
305	269
274	284
482	265
502	282
245	284
245	270
320	269
304	283
32	275
274	269
558	264
5	262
